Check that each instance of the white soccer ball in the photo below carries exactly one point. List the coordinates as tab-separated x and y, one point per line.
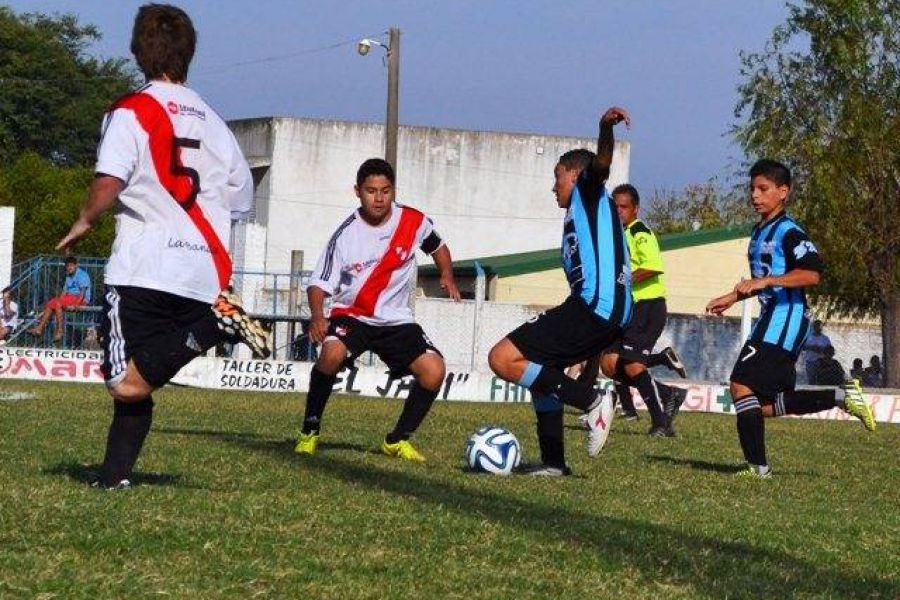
493	450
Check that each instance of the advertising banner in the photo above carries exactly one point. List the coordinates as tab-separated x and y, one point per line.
288	376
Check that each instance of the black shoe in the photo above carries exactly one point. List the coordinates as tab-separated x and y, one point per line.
658	431
673	403
542	470
674	362
630	416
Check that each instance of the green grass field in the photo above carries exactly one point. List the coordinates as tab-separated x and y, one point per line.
224	509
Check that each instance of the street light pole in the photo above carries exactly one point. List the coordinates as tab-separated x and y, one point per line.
392	124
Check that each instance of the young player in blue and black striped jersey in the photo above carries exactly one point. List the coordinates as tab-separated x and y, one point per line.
596	263
783	261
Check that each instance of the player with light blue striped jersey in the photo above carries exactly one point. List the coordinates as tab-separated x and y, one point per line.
595	253
777	247
783	261
596	264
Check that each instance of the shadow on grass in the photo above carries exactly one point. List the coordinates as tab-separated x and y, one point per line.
87	474
712	567
700	465
286	445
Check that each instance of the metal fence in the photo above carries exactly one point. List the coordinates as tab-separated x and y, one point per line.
464	331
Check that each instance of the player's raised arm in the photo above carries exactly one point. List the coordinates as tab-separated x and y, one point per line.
606	141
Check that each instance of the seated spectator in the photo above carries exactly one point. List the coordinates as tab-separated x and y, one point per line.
76	292
872	375
828	370
857	371
9	315
814	350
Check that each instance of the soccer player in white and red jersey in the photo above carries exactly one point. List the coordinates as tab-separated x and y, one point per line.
367	268
175	175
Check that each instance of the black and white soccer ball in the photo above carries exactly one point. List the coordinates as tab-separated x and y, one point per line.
494	450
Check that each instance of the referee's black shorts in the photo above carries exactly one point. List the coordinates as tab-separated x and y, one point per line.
565	335
648	319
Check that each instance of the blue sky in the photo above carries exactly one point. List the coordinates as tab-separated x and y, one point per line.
520	66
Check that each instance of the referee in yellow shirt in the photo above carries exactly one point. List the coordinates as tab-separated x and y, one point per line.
648	319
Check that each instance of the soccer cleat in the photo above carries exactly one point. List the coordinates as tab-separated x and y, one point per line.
754	472
122	485
402	449
674	362
855	404
239	327
658	431
307	443
599	420
542	470
673	402
630	416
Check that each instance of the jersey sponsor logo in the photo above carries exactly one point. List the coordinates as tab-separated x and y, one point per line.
401	252
764	247
570	245
185	110
803	248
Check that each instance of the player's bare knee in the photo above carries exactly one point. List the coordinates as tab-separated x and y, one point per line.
432	374
332	358
126	391
634	369
500	356
608	365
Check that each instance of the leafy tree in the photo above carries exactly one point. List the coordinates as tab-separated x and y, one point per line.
47	199
698	206
824	97
52	93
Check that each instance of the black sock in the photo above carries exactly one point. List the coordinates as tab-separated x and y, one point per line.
623	393
320	386
416	406
550	438
551	381
650	391
751	429
804	402
129	427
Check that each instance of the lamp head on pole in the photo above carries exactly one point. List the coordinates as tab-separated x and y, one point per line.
365	45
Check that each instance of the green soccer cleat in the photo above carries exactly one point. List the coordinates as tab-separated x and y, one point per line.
855	404
402	449
307	443
754	472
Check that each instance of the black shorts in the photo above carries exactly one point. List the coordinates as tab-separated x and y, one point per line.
766	369
648	319
398	346
135	321
565	335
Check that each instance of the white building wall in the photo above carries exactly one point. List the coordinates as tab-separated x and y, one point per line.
7	229
488	193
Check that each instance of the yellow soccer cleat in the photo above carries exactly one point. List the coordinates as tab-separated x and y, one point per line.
402	449
754	472
307	443
855	404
